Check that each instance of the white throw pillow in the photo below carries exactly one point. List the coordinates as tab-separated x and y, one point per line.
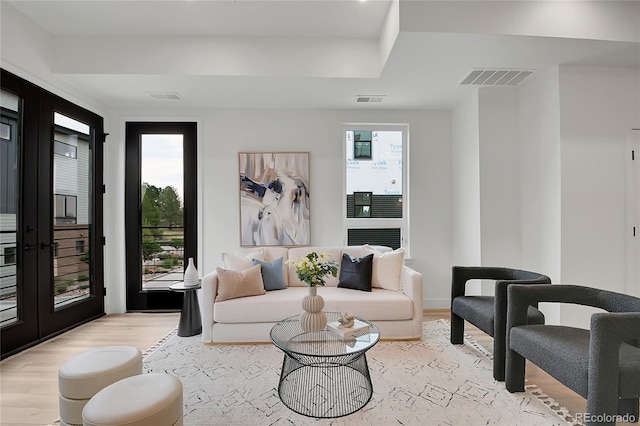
387	268
240	262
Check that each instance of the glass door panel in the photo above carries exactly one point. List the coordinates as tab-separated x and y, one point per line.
71	223
51	240
161	193
160	211
10	298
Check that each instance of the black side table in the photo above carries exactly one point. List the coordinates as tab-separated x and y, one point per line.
190	321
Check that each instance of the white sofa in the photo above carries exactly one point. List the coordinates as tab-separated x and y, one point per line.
397	314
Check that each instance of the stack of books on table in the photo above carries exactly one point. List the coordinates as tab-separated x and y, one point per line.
343	331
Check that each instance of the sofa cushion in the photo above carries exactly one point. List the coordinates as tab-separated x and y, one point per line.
377	305
272	277
355	273
233	284
241	261
387	268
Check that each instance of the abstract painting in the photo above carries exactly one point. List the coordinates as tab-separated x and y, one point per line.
274	199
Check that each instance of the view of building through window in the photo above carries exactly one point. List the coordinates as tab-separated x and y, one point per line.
9	148
71	210
375	184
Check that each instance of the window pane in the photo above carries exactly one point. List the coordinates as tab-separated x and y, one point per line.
10	256
381	175
5	131
71	210
390	237
375	187
162	192
10	141
65	150
72	141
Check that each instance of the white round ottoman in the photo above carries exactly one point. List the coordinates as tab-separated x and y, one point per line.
153	399
82	376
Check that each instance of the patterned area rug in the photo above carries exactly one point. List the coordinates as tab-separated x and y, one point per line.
414	383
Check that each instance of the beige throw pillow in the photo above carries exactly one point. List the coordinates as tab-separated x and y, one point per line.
387	268
233	284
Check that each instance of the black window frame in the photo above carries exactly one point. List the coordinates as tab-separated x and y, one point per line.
139	300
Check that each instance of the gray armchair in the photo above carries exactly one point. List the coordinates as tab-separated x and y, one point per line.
602	364
489	313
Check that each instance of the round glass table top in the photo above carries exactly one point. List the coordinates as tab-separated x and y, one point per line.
289	337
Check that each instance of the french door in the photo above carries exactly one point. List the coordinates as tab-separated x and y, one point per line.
51	237
160	211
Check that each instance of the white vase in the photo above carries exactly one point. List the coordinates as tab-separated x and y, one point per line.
190	275
313	319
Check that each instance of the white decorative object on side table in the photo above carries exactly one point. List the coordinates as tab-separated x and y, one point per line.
191	275
343	331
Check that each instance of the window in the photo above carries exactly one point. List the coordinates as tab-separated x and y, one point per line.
10	256
362	204
362	144
65	149
65	209
5	131
160	210
79	246
376	187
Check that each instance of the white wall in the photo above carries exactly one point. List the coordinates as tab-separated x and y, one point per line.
28	50
499	178
539	139
574	121
486	182
598	107
465	153
226	132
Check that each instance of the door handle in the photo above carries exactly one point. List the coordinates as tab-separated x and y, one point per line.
30	246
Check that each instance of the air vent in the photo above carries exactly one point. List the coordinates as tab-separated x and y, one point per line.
495	77
165	95
369	98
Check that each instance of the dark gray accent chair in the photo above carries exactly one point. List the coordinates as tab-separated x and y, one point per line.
602	364
489	313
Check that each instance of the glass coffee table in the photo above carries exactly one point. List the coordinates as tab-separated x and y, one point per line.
324	375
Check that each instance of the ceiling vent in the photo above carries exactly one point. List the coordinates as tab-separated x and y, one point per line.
165	95
495	77
369	98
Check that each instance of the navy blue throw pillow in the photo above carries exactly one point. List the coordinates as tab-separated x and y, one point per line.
356	273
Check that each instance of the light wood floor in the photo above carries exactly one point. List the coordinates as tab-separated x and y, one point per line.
29	380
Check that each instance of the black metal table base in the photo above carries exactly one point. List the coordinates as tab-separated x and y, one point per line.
190	321
325	387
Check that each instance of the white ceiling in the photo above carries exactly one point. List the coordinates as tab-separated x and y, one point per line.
262	18
303	53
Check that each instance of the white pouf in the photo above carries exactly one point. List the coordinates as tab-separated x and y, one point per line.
153	399
82	376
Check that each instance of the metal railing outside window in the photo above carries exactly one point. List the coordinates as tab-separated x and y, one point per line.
162	256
